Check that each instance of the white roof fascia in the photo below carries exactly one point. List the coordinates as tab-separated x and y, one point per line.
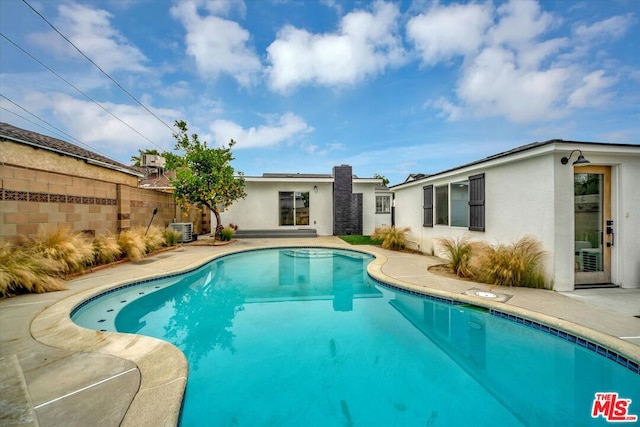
287	179
553	147
371	181
481	165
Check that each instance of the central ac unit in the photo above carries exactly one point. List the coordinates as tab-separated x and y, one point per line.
590	260
185	229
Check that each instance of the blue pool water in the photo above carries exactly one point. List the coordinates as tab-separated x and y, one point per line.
290	337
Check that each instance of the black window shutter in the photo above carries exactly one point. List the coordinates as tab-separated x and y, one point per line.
476	202
427	206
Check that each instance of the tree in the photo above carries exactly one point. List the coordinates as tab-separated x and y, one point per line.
206	177
385	180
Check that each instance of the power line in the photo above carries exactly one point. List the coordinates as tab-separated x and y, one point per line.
98	67
73	86
35	123
59	131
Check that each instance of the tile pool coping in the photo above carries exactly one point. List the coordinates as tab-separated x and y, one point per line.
164	369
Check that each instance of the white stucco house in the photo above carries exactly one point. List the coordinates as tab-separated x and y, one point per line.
586	213
332	204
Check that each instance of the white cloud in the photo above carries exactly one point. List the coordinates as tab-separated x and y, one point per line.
316	150
448	110
592	92
283	129
91	31
613	27
365	44
448	31
225	7
521	22
218	46
92	125
511	67
493	85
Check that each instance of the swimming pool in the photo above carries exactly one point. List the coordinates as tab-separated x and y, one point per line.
305	336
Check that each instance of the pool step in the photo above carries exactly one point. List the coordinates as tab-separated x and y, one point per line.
300	232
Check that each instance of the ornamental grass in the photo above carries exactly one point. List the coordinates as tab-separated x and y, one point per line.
132	244
23	270
71	251
39	264
171	236
515	264
394	238
106	249
153	238
458	251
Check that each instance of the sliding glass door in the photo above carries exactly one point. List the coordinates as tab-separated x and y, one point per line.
294	208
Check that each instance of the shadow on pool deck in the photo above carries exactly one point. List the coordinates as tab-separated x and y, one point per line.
55	373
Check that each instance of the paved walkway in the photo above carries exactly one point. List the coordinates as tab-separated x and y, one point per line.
54	373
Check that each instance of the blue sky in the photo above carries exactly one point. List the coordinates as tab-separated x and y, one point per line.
388	87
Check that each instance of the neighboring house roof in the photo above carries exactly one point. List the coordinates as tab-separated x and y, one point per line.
523	148
416	176
156	179
59	146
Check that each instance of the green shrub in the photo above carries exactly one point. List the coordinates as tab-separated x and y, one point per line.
23	270
458	251
132	244
106	249
71	251
392	237
171	236
517	264
226	234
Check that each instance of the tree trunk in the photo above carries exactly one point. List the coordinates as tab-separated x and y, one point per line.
219	226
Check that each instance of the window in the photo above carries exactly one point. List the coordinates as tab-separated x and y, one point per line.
383	204
442	205
476	202
460	204
294	208
427	206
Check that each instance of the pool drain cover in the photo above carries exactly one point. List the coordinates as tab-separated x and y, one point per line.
493	296
484	294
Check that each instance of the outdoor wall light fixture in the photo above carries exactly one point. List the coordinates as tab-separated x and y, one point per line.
315	188
579	161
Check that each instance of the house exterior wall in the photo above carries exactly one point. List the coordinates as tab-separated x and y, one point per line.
383	219
369	217
532	193
508	190
626	216
259	210
39	187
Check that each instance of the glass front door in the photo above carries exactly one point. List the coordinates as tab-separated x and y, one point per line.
593	231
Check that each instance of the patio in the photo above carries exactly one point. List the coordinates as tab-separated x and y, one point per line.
55	373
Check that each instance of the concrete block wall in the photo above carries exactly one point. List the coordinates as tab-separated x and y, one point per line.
31	197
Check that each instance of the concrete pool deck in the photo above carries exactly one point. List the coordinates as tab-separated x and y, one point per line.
53	372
